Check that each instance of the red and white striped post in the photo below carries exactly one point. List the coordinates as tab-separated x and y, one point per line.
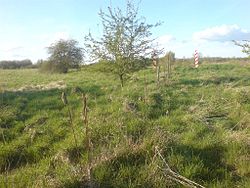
196	59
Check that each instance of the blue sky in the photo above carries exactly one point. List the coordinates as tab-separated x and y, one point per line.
27	27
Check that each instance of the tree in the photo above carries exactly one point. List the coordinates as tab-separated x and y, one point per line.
169	59
124	41
65	54
245	44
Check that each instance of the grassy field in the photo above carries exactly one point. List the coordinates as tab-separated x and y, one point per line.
198	121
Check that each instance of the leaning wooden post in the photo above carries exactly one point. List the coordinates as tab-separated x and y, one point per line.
156	65
145	86
158	71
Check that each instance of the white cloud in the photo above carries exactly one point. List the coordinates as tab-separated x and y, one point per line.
212	48
14	50
166	39
53	37
222	33
8	46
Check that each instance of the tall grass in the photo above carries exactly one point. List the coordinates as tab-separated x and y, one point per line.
199	121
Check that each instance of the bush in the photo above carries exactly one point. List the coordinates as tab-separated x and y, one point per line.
109	66
102	66
50	67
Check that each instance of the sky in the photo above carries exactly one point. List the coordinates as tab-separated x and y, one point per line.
27	27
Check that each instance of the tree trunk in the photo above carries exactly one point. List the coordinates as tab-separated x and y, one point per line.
165	71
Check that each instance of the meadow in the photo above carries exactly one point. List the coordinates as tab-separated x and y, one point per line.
198	121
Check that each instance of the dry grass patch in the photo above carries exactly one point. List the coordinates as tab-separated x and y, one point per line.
41	87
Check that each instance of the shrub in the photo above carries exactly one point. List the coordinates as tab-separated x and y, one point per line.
49	67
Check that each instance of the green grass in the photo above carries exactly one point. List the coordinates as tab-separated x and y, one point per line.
199	120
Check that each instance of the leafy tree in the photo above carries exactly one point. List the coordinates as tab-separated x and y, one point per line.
245	44
124	41
65	54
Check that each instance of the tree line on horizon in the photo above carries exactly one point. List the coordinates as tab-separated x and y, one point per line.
15	64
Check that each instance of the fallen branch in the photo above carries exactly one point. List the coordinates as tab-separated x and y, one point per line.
175	176
239	122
